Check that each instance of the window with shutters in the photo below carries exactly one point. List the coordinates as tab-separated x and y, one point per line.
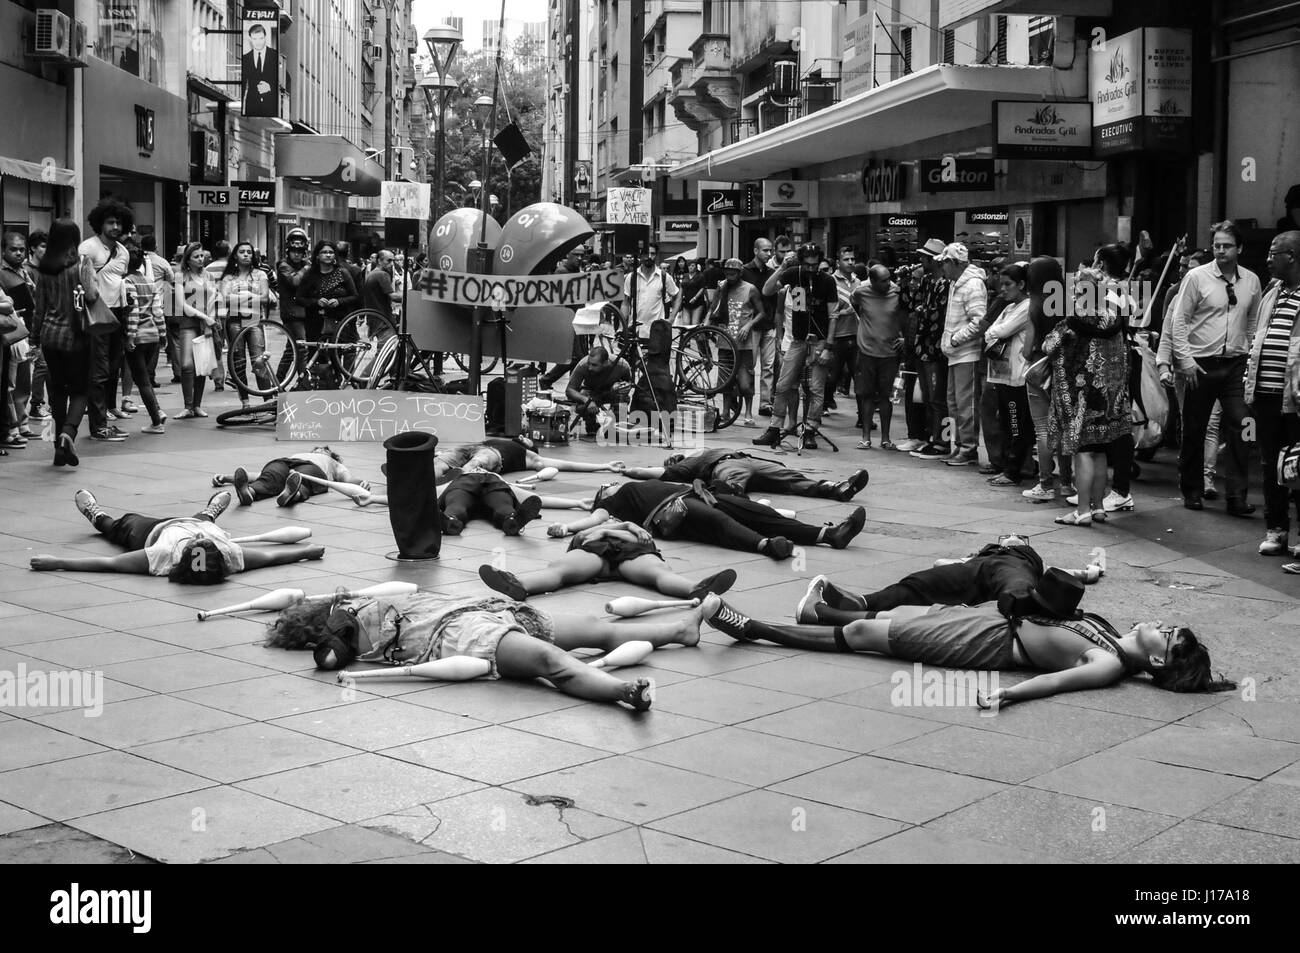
949	46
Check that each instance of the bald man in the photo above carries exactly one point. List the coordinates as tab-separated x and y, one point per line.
880	346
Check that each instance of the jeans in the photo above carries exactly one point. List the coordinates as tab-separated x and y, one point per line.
874	384
138	361
740	524
20	389
1223	381
106	353
271	480
979	579
1017	425
844	363
131	530
479	494
191	384
1275	430
68	384
914	411
174	348
934	391
785	407
746	474
763	344
965	383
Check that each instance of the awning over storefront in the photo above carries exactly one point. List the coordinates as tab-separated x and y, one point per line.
327	162
48	172
936	101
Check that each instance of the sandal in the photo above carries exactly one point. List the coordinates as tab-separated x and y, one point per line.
1099	516
1072	518
1002	480
888	445
199	412
186	414
864	444
1292	568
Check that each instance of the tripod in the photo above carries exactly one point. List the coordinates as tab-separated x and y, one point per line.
803	429
408	356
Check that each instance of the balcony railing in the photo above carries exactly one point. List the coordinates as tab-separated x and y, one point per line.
742	129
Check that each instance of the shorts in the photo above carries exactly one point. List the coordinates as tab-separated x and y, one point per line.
477	630
976	637
615	552
874	378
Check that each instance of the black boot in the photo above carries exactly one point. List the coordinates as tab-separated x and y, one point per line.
771	437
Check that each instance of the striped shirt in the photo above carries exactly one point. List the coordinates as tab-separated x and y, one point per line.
1277	343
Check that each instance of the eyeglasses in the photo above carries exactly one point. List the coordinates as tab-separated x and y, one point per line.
1006	537
1168	632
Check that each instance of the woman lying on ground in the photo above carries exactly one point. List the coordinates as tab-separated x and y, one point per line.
321	462
520	641
510	455
613	550
190	549
1075	654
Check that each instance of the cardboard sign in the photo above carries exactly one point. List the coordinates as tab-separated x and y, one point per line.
535	291
372	416
404	200
627	206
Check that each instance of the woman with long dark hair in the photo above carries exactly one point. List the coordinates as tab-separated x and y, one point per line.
1046	290
246	291
145	327
65	280
198	319
327	291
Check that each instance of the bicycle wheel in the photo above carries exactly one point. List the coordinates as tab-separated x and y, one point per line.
263	359
257	414
486	366
706	360
358	344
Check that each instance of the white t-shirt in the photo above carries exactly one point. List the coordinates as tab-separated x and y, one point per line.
651	295
111	270
332	469
166	540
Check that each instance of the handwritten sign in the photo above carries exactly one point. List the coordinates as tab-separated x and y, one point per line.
627	206
535	291
329	416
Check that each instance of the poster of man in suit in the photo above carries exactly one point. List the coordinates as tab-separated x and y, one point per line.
260	64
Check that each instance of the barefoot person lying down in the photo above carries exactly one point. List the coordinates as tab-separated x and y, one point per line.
520	641
278	479
190	549
615	549
1075	654
736	472
510	455
672	511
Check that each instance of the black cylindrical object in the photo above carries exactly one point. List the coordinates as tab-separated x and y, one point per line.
412	497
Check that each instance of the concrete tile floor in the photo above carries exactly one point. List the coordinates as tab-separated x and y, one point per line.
212	748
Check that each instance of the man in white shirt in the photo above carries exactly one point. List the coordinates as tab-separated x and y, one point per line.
110	220
650	294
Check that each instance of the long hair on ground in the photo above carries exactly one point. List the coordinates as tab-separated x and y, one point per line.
299	626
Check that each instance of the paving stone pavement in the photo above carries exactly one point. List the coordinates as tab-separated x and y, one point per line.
210	747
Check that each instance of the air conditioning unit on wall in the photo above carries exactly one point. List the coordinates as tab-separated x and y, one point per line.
53	36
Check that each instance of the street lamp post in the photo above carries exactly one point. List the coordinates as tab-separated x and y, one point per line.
443	42
486	108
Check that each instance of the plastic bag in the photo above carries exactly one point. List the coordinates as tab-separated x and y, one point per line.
205	357
1150	411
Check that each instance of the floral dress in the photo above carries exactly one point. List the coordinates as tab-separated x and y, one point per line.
1089	382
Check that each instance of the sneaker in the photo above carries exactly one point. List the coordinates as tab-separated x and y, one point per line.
506	583
1210	493
240	481
118	431
730	622
154	428
105	433
1275	543
809	442
289	495
806	611
778	547
842	534
38	413
128	406
930	451
1114	503
199	411
1040	494
749	422
115	414
965	458
218	503
770	437
87	505
908	445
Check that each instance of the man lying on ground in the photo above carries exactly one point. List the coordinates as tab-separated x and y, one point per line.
736	472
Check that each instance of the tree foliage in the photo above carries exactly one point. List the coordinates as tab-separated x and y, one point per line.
521	99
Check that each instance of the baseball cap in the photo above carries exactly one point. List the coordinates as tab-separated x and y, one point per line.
731	263
933	247
955	251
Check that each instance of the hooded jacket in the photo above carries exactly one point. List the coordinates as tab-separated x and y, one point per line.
968	299
880	319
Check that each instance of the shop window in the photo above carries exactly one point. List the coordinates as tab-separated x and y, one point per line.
131	34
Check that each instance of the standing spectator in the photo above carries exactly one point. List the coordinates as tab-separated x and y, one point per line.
961	344
739	306
246	293
16	284
326	292
650	294
879	315
377	292
1212	327
1291	220
1046	282
1009	342
809	296
64	280
766	332
109	220
1270	389
145	327
290	272
345	259
932	366
1089	388
1175	385
159	273
198	318
36	242
915	413
10	321
216	264
651	300
844	333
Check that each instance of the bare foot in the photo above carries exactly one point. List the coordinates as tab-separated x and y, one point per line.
690	626
639	694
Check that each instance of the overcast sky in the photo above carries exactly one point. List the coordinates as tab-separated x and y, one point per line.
429	13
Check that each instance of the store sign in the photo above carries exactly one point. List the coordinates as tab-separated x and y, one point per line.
679	229
144	130
719	201
255	194
902	221
1022	231
214	198
1141	90
951	174
1042	130
987	218
787	197
628	206
883	181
